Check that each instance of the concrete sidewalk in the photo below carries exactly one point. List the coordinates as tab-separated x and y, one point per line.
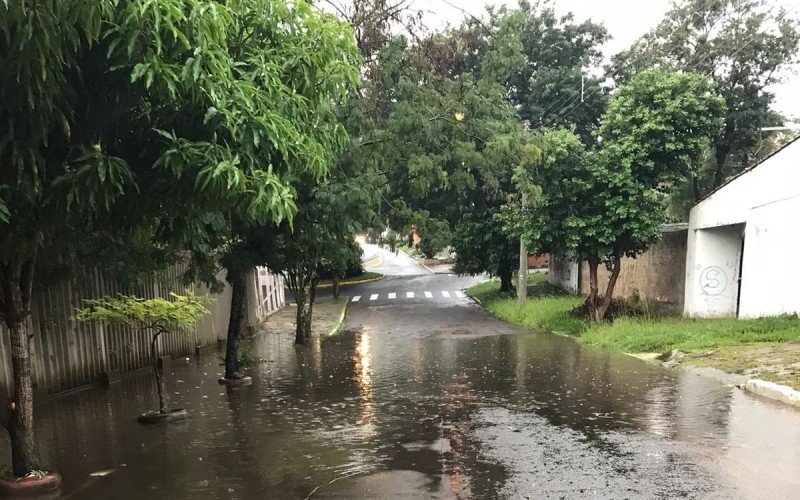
328	316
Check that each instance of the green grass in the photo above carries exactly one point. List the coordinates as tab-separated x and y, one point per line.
411	250
549	309
355	279
686	334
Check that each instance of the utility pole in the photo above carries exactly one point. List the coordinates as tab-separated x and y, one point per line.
583	86
522	275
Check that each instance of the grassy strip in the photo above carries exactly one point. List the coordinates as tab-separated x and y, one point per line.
361	278
550	310
686	334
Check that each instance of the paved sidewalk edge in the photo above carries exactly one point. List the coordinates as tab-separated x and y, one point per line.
339	323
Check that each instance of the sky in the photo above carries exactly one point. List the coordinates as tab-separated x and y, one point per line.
626	20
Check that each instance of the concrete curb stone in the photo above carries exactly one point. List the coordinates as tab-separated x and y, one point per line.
782	393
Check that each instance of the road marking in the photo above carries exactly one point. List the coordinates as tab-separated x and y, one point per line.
392	295
459	294
428	295
356	298
409	295
373	296
445	293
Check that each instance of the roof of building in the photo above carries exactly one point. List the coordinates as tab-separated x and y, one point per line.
674	227
748	169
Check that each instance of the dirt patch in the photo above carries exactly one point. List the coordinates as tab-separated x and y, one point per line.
775	362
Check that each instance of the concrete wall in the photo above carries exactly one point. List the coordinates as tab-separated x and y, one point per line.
760	209
657	275
563	273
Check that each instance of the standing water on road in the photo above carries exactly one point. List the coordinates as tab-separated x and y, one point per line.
374	413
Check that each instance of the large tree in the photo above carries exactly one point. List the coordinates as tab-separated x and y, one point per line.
312	62
423	130
607	203
485	239
41	44
744	45
149	115
320	237
547	63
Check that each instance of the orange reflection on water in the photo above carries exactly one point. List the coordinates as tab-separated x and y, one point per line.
363	359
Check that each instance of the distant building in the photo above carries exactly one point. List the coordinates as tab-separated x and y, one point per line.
743	243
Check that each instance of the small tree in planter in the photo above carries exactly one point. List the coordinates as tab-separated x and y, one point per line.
154	317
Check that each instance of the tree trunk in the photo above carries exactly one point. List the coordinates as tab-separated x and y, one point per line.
506	282
336	286
522	286
591	300
720	155
162	406
17	417
698	194
605	301
236	317
305	305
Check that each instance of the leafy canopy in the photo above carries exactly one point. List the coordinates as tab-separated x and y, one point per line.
608	202
745	46
182	312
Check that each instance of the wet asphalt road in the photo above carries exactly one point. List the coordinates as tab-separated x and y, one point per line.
427	397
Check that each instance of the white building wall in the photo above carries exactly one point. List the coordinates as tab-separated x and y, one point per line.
563	273
760	209
771	272
713	281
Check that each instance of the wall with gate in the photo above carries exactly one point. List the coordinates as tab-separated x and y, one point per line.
68	354
265	295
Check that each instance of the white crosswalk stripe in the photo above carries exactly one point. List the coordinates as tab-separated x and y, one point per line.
410	295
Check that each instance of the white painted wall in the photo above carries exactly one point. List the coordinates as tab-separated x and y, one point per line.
771	271
763	206
563	273
713	282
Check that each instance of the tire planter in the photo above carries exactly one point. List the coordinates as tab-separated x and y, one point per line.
235	382
43	487
175	415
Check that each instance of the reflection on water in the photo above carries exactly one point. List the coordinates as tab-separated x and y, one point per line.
362	358
370	414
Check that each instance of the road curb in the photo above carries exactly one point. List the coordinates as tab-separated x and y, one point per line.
339	323
771	390
377	261
350	283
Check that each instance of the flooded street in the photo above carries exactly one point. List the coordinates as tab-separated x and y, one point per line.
426	398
